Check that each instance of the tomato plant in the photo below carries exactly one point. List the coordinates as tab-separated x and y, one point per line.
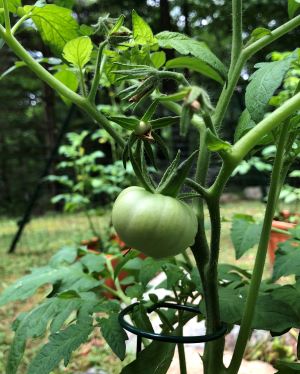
132	62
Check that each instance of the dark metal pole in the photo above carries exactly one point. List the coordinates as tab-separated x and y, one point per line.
26	217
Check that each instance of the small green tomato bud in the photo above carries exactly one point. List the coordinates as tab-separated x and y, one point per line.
142	128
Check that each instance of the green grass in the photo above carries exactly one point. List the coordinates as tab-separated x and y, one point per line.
42	238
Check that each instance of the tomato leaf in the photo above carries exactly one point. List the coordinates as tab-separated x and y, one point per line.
34	324
195	64
60	347
215	144
55	24
244	125
158	59
149	269
93	262
245	234
69	79
141	318
263	83
156	358
293	7
259	33
185	46
114	334
142	32
78	51
287	259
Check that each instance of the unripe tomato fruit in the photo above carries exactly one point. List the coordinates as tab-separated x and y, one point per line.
157	225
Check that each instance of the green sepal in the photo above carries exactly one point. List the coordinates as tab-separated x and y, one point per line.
193	94
118	24
136	165
170	170
125	154
215	144
185	119
127	90
161	144
164	122
178	96
150	154
150	111
188	195
176	179
127	123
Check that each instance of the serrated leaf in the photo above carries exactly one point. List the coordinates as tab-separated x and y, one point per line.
185	46
27	286
94	262
156	358
34	324
195	64
69	79
293	7
287	259
149	269
78	51
135	291
60	347
66	255
142	32
263	83
174	274
245	234
141	319
114	334
55	24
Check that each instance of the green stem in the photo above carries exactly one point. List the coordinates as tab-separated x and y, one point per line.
213	353
82	83
19	23
237	24
260	257
6	17
273	120
54	83
180	346
119	291
97	76
248	52
173	75
126	300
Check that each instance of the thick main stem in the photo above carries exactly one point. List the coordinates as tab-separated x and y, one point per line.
260	257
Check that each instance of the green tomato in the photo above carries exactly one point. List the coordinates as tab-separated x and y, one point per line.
157	225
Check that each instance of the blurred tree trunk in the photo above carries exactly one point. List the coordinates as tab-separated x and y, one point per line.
185	11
